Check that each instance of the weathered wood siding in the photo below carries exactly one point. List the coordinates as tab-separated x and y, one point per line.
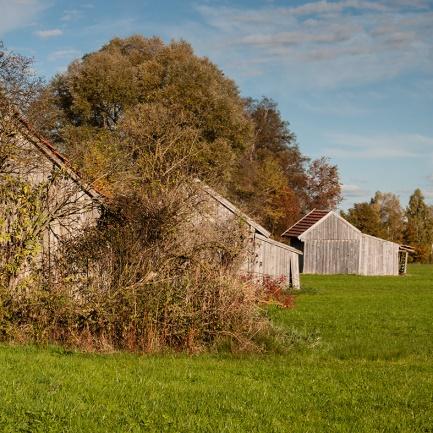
77	208
378	256
332	227
266	257
275	260
331	256
334	246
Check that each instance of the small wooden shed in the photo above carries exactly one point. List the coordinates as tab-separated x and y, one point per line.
268	258
331	245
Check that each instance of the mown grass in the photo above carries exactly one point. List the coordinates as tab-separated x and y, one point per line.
372	372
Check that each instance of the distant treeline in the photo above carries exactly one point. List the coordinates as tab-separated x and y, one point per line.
384	217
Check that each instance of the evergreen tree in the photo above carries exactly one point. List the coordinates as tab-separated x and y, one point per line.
419	229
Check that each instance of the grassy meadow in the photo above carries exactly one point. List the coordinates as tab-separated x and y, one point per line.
372	371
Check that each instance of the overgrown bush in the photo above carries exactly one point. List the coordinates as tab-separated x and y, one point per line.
156	273
159	270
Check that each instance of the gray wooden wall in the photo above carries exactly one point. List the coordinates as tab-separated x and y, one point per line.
266	257
331	256
334	246
332	227
378	256
275	260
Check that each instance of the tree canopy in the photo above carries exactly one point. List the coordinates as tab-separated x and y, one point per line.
419	227
97	94
274	180
133	90
384	217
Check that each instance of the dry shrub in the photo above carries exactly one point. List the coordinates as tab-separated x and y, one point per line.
158	273
277	291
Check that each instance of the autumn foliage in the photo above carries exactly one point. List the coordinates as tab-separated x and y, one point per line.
242	146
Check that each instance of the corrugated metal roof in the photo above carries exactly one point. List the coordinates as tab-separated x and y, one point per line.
305	223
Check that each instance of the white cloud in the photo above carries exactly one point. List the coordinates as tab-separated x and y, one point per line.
16	14
65	54
353	191
49	33
325	44
380	146
322	7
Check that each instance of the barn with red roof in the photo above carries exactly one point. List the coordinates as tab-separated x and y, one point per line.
331	245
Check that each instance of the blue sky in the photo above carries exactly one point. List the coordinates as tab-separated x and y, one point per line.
353	77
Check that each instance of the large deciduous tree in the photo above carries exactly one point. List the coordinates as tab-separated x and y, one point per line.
391	215
366	218
93	98
383	216
18	82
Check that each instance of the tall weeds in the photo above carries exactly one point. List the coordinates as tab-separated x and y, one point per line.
157	273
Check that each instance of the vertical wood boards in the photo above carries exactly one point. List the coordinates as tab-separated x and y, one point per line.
332	227
274	259
331	256
266	257
334	246
379	257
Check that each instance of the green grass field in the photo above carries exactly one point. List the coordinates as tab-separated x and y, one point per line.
371	372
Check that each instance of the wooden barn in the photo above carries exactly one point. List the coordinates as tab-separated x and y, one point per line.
267	258
331	245
64	203
79	205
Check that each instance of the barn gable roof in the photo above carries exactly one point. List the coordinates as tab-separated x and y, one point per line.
50	152
306	223
232	208
316	216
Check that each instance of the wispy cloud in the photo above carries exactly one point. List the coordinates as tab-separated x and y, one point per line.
16	14
71	15
77	12
353	191
326	43
50	33
380	146
322	7
65	54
